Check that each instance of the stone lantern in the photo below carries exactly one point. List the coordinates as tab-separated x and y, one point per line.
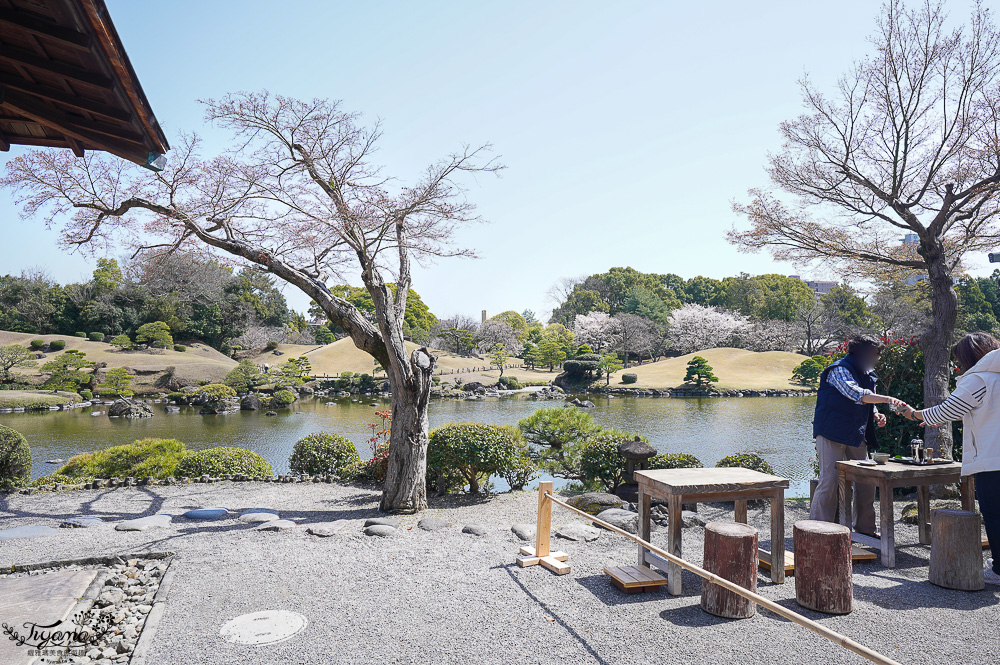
636	453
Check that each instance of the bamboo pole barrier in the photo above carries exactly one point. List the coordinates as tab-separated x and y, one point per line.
833	636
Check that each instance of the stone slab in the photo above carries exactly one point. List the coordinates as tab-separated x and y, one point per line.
326	529
380	530
381	521
82	522
258	515
206	513
28	531
432	524
143	523
277	525
43	599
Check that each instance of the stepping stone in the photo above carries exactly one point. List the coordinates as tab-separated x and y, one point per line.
206	513
524	531
380	521
380	530
623	519
81	522
579	531
258	515
143	523
432	524
277	525
326	529
28	531
474	529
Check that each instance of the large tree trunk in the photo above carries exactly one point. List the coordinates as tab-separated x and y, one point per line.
936	344
405	488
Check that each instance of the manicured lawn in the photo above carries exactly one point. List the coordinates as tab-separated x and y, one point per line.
30	399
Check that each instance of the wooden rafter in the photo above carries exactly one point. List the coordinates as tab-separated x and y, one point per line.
37	25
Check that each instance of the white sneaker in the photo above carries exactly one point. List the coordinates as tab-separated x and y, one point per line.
991	577
989	563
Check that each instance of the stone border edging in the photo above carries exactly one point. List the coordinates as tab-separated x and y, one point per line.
155	614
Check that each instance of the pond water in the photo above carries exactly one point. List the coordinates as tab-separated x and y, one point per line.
779	429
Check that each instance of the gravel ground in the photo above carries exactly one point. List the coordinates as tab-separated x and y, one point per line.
450	597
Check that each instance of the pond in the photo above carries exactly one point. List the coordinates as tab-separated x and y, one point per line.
779	429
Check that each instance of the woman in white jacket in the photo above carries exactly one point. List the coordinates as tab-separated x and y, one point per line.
975	402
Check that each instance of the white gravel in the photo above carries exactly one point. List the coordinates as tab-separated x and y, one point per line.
451	597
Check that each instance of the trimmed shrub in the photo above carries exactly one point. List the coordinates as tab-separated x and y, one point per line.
220	461
95	336
123	342
629	377
180	398
506	382
146	457
86	394
323	453
559	432
57	344
271	345
600	462
80	334
37	344
746	461
215	391
674	461
15	459
180	347
523	468
468	453
281	398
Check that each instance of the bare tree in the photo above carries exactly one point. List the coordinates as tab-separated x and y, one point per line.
909	142
298	196
636	335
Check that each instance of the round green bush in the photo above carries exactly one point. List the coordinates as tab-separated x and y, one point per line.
220	461
80	334
57	344
216	391
180	347
746	461
96	337
523	469
271	345
469	453
37	344
179	397
15	459
674	461
600	461
86	394
282	398
629	378
506	382
323	453
157	458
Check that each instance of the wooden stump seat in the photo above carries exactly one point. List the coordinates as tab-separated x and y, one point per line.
823	566
956	550
730	553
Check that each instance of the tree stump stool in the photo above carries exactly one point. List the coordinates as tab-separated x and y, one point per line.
956	550
730	553
823	566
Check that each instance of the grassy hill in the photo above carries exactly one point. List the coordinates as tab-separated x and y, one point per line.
736	368
198	363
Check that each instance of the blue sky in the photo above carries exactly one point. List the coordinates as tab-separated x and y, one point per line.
627	128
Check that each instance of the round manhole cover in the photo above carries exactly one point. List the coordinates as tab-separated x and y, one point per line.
267	627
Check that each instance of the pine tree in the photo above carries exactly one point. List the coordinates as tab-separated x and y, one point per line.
698	370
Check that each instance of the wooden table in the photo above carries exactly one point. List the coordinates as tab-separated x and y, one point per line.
680	486
895	474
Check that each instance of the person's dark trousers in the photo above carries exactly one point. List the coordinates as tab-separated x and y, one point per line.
988	494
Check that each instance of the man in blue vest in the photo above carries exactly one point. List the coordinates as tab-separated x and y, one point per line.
844	427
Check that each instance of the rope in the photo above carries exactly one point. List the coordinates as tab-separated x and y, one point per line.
819	628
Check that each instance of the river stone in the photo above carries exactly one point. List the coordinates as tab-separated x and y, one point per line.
277	525
206	513
474	529
380	521
524	531
432	524
81	522
325	529
690	519
143	523
623	519
110	597
381	530
28	531
579	531
596	502
125	408
258	515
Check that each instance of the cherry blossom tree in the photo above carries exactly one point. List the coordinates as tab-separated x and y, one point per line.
596	329
694	327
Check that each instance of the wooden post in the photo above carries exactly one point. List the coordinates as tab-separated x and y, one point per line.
740	511
645	528
778	536
888	518
968	488
923	514
823	567
730	553
540	553
674	525
956	550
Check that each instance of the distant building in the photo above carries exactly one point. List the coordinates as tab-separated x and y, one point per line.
485	316
818	287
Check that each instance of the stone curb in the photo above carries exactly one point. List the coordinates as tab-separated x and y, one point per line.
153	618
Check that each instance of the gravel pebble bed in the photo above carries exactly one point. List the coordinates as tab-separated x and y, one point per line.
446	596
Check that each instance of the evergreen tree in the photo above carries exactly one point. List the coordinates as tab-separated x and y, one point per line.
699	371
